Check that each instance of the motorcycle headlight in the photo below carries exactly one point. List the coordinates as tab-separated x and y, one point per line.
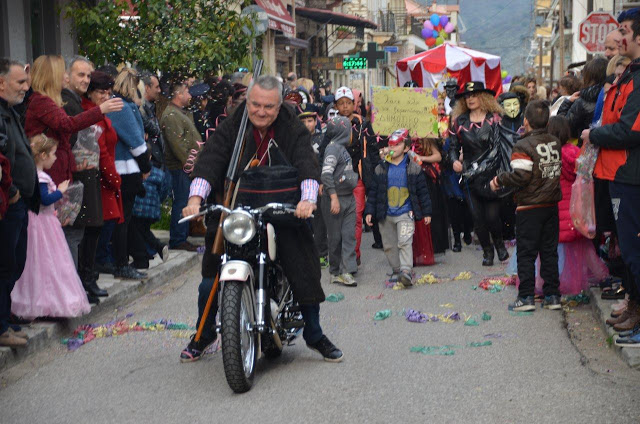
239	227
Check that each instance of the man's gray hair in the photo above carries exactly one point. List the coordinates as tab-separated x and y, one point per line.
146	78
267	82
76	59
6	64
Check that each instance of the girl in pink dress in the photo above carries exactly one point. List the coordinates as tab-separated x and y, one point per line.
49	285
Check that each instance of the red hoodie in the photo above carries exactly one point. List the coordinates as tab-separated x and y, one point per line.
568	175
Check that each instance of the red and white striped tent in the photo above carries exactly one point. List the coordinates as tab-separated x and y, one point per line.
428	68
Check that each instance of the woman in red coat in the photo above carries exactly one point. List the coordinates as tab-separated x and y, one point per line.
46	115
99	91
581	263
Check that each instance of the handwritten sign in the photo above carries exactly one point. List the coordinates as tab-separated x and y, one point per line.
413	108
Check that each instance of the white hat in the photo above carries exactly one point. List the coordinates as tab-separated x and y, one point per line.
344	92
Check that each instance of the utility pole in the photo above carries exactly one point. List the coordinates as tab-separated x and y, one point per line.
561	26
540	59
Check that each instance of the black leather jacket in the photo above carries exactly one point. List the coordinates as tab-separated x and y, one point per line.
153	131
472	138
580	112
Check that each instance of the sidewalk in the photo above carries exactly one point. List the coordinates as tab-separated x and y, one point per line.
602	311
43	334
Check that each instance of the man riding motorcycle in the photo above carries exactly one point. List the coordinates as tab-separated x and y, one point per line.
268	120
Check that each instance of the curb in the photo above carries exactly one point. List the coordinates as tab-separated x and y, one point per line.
44	334
602	310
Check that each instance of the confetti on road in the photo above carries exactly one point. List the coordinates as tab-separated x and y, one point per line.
382	315
335	297
86	333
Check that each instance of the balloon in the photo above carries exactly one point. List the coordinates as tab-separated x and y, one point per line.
435	19
426	32
438	28
435	34
444	20
430	41
508	79
448	28
428	24
439	41
504	74
442	34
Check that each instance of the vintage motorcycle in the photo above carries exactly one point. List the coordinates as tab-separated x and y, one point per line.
257	313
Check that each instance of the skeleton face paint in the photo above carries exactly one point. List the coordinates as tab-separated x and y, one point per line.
511	107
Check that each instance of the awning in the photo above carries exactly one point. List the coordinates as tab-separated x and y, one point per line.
334	18
279	18
296	43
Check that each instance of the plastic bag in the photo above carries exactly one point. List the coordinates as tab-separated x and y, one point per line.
494	161
68	208
586	162
582	207
87	148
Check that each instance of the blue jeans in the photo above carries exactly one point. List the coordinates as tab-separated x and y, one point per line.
13	255
625	199
310	313
103	253
180	183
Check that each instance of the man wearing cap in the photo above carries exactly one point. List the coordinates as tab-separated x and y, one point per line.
309	117
363	151
182	138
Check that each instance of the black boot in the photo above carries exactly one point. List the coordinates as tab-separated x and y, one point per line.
487	257
467	239
95	300
457	245
503	254
92	288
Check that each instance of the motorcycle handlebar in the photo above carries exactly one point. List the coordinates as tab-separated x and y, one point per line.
205	209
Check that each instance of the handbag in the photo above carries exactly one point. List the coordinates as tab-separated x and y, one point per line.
275	182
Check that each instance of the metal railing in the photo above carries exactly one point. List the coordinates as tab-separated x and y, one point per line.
397	21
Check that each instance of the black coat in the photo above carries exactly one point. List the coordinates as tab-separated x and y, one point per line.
154	133
580	112
91	212
472	139
377	198
294	140
15	146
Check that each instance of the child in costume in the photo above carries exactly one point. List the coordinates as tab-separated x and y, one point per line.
49	285
398	195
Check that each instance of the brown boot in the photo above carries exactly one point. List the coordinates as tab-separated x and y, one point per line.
9	339
620	318
631	321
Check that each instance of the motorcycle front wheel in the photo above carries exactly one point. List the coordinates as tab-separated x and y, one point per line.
239	343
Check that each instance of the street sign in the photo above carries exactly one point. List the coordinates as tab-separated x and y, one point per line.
594	29
353	62
391	49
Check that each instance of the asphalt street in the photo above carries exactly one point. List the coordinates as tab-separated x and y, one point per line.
530	373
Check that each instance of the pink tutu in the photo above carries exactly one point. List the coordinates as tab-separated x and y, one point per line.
580	267
49	285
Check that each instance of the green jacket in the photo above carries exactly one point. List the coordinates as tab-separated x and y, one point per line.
180	134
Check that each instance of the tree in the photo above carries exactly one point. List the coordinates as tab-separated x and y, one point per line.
194	36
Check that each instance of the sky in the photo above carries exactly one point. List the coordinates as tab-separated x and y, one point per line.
500	27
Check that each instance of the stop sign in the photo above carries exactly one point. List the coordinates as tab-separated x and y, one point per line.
594	29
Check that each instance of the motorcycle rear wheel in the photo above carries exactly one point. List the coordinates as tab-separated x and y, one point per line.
239	344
